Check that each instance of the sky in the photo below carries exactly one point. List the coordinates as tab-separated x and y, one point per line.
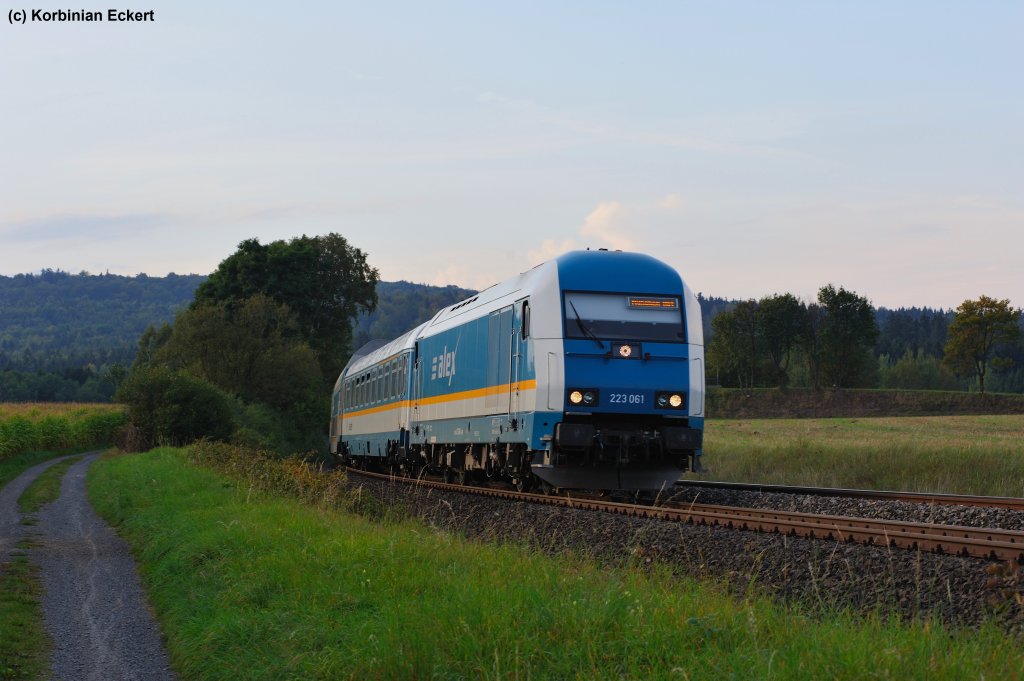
757	147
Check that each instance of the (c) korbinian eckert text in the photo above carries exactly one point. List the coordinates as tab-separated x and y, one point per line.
73	16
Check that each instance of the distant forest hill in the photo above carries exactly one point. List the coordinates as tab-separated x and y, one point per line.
64	336
61	333
56	320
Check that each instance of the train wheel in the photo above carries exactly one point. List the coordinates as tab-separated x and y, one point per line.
524	483
462	477
449	475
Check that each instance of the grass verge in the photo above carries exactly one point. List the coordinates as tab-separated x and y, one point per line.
252	585
955	454
24	644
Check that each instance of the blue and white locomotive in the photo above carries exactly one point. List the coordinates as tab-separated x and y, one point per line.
587	371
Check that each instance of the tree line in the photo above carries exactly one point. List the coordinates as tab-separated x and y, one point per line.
840	341
73	337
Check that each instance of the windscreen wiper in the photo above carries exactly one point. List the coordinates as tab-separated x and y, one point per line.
583	328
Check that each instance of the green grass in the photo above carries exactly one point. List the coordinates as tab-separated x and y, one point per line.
24	643
248	585
45	488
955	454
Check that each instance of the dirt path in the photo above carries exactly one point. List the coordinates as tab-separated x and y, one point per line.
93	603
11	529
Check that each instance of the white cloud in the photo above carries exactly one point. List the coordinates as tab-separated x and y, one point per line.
671	201
605	223
550	248
465	277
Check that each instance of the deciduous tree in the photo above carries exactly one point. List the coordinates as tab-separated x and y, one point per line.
848	331
780	322
734	343
253	350
324	280
978	329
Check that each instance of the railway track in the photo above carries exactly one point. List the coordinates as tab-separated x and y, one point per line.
1012	503
986	543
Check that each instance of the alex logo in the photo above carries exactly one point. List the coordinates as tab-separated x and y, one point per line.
443	365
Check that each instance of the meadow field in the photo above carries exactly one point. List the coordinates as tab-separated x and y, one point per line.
254	584
35	426
955	454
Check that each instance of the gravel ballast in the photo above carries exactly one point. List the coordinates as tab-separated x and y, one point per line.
944	514
817	573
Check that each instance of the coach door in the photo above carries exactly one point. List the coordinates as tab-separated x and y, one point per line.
499	360
414	393
517	355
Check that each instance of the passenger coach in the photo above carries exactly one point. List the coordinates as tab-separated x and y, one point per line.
585	372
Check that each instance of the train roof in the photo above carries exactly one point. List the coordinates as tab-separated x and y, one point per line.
587	270
377	351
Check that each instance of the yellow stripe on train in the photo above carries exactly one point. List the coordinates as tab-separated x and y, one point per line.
453	397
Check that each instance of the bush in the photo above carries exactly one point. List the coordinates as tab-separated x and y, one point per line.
916	372
172	408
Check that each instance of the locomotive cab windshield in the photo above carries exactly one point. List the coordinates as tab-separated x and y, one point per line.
621	316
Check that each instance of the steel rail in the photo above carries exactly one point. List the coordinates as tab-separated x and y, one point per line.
976	542
1012	503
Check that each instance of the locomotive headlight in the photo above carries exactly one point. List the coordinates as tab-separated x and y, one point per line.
669	400
625	351
585	396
